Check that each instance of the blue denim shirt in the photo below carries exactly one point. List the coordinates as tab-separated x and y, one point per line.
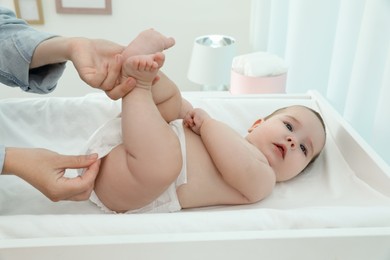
17	44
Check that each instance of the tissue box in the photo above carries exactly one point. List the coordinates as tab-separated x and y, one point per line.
241	84
258	72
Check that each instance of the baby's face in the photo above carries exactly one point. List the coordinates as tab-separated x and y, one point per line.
289	140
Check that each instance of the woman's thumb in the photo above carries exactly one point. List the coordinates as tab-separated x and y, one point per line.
79	161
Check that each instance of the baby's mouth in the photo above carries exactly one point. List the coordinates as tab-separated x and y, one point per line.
281	149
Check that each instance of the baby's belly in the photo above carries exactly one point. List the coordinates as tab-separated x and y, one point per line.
205	185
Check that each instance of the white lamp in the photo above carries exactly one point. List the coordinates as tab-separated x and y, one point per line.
211	61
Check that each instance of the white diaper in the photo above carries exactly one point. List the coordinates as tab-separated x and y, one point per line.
108	136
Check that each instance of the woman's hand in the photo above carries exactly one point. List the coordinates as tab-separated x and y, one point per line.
99	64
45	170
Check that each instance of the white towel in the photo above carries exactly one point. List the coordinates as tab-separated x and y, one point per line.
259	64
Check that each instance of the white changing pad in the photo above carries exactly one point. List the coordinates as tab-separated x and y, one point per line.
327	194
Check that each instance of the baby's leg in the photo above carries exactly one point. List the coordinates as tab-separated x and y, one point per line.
168	99
165	93
149	160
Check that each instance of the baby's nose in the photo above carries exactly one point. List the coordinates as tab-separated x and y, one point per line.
291	142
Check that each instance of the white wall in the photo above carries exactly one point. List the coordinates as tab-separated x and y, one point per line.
183	19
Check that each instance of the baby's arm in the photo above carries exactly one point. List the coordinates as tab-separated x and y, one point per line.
241	164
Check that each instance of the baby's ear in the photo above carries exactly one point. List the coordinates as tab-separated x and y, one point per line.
255	124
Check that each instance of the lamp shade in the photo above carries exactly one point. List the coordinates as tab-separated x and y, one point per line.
211	60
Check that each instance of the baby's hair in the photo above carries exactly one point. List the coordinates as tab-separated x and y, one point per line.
277	111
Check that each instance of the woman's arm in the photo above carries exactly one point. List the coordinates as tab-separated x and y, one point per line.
18	42
98	62
35	60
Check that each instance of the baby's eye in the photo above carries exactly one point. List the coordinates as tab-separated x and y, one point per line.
304	150
288	126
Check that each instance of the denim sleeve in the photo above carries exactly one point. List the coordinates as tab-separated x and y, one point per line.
2	157
18	42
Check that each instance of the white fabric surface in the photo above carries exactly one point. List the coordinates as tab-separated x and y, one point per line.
328	194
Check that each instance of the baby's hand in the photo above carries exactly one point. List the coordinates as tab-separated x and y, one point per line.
194	119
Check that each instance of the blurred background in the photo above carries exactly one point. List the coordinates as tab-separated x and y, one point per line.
183	20
339	48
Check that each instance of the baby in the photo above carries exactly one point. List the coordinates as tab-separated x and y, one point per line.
162	155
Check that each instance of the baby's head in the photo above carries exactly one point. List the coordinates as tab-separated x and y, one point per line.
290	138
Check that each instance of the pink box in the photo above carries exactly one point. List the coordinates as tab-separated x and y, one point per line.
241	84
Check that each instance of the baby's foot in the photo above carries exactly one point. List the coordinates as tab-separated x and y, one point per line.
143	68
148	42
